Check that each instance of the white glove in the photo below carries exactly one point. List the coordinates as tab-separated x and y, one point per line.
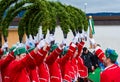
30	42
20	45
41	36
35	39
31	39
17	43
27	42
81	36
64	42
85	36
78	35
92	41
41	44
5	45
75	40
50	39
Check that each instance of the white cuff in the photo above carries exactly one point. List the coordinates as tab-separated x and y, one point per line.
73	45
60	48
97	47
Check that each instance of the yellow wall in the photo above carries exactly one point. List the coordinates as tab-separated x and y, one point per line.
12	37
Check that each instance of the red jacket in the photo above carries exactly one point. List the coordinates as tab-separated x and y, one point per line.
43	70
110	74
75	66
80	47
69	71
82	69
62	62
33	72
34	75
65	63
33	69
16	70
4	63
74	61
1	52
54	67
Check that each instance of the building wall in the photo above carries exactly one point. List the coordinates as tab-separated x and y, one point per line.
12	37
106	20
99	20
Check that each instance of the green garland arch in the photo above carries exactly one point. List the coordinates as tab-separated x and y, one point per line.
42	13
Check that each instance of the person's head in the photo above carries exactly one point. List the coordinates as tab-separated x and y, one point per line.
20	53
111	56
85	50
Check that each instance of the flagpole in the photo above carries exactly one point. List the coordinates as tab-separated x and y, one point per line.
85	7
90	27
91	30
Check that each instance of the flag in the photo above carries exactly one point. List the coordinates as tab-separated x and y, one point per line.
91	29
91	26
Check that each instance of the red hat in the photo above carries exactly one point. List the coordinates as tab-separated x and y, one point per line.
100	54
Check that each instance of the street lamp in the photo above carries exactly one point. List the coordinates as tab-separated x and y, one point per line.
85	6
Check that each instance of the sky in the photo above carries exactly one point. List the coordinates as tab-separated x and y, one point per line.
94	6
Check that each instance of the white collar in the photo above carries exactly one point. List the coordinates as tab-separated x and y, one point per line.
109	66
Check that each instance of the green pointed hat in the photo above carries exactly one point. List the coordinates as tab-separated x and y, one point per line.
65	50
20	50
53	47
110	53
12	48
